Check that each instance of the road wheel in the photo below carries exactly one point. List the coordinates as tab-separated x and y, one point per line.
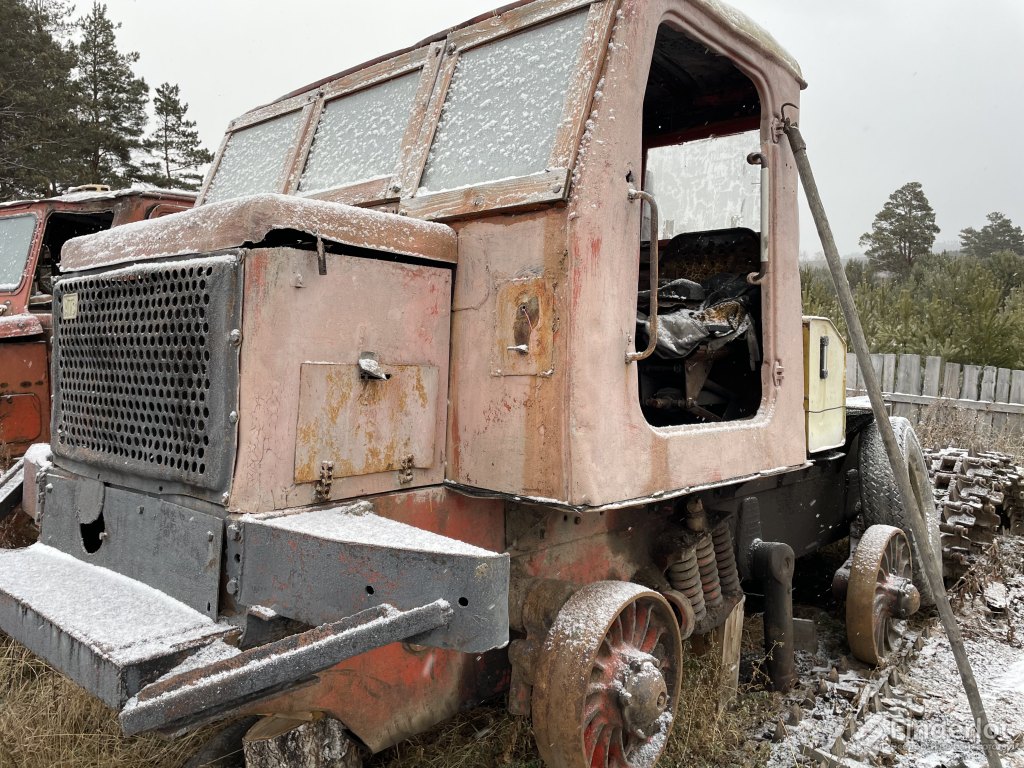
608	679
880	594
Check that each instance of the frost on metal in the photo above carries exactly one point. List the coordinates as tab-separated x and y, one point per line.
233	223
708	184
359	135
745	26
15	239
253	159
355	524
504	106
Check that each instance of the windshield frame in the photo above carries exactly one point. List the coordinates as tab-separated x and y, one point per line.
438	61
28	266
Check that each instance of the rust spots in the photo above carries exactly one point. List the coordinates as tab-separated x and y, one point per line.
364	426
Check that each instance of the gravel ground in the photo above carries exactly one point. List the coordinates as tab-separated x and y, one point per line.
913	713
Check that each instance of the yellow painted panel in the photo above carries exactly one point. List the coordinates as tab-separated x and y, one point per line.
824	384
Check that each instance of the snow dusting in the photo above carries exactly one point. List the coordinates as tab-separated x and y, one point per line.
39	455
233	223
504	106
254	159
708	184
359	135
356	525
120	619
15	240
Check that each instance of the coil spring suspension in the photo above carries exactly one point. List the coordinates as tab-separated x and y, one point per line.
708	565
726	558
684	576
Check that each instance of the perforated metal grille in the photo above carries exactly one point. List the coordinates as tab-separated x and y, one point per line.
144	369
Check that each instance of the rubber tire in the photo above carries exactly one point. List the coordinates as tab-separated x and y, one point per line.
880	496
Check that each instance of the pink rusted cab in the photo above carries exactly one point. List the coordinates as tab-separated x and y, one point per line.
535	268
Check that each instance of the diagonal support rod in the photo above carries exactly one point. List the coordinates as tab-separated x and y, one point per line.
237	678
932	569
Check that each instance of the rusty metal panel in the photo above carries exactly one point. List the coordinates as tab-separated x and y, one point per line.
204	693
110	634
524	330
509	433
20	418
169	547
24	392
322	565
603	237
364	425
233	223
397	314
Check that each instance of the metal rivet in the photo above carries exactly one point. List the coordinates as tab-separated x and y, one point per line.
235	337
209	535
233	417
232	586
224	497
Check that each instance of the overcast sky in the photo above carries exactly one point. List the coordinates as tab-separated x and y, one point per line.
899	90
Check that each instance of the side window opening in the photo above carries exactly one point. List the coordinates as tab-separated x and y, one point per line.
701	120
61	227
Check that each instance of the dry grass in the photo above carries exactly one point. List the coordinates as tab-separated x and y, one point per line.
704	734
485	736
46	721
943	426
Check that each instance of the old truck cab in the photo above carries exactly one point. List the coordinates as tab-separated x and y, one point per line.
476	369
32	238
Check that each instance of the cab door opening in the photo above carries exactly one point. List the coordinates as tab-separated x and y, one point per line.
701	120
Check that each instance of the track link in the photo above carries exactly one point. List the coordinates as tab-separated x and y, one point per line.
978	496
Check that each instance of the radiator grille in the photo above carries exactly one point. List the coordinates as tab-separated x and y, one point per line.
145	371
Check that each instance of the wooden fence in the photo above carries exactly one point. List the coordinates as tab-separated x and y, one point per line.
911	383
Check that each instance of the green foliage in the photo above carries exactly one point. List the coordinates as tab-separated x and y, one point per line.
174	144
74	113
998	236
965	310
112	113
902	232
37	96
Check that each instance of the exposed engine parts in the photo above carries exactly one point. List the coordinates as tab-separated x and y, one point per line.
976	497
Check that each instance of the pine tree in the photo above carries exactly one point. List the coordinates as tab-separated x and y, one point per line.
37	96
113	112
998	235
902	232
174	143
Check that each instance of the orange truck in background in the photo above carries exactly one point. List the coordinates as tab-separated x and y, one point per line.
32	236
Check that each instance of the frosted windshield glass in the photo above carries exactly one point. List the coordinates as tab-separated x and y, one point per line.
359	136
254	159
15	241
504	106
707	184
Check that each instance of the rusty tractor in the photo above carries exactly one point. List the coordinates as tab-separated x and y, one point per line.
477	370
32	238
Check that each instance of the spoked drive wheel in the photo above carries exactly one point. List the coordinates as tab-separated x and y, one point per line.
608	679
881	593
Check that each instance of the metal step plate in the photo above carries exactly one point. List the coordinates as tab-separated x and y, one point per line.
109	633
321	565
